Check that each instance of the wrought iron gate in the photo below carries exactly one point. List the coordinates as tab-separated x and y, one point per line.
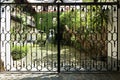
59	37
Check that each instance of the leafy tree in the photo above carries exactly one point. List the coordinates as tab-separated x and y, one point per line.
44	21
84	28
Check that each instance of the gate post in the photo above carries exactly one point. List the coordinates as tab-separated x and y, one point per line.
5	35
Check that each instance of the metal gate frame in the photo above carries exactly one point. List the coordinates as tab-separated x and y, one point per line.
58	24
59	40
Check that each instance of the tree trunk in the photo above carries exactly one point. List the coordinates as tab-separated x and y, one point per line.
97	48
1	66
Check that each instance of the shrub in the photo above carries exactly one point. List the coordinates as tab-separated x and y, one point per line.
19	52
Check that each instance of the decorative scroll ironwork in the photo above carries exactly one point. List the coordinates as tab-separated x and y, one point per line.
59	37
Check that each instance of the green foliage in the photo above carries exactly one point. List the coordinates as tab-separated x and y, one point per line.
41	38
72	19
85	22
85	25
19	52
100	20
44	21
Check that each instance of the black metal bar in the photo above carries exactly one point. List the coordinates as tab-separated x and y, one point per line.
0	38
91	14
3	41
58	37
118	68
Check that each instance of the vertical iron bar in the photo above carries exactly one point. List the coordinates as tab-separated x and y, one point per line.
58	37
86	27
75	37
42	62
26	63
111	63
51	62
0	38
91	19
35	45
10	39
47	31
16	24
95	29
80	38
20	35
117	37
4	33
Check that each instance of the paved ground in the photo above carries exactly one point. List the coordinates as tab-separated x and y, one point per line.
105	76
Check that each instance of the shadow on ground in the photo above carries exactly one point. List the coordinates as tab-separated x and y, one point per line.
106	76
